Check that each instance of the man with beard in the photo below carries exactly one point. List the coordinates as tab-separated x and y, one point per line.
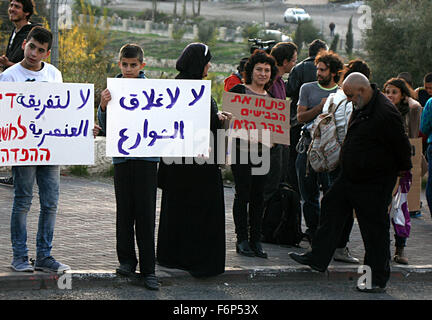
303	72
312	97
375	151
19	12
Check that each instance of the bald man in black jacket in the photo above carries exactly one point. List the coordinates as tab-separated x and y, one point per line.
375	152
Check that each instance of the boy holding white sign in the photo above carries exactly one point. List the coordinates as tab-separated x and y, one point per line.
135	183
36	48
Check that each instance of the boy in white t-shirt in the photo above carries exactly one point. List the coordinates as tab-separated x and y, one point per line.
36	48
32	68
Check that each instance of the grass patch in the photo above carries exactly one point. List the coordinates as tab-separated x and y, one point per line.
164	48
80	171
110	172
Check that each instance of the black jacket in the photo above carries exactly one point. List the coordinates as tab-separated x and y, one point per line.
375	145
14	52
303	72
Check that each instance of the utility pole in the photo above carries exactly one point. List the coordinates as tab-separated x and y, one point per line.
54	31
263	10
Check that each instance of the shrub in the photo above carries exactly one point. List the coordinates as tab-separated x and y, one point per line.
251	31
309	31
80	171
217	88
178	32
207	33
159	16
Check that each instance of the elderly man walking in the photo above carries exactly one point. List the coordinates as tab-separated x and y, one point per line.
375	151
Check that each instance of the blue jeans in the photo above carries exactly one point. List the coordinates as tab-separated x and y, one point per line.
48	180
429	182
309	187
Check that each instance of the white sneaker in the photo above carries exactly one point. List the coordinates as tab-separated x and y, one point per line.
343	255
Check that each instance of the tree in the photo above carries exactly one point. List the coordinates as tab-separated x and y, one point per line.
298	37
197	12
184	10
399	39
82	54
349	45
335	42
175	8
154	10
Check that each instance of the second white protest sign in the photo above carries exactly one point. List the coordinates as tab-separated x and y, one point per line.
158	118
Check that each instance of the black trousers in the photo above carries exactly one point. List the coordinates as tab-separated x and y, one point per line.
290	172
370	202
273	177
135	183
344	239
249	189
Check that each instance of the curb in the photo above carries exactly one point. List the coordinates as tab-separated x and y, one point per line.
90	278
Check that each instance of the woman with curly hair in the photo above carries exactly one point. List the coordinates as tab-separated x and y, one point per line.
260	71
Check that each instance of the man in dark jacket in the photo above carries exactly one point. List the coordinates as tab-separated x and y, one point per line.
302	73
375	151
20	12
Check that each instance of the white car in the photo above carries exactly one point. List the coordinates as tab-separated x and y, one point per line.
295	15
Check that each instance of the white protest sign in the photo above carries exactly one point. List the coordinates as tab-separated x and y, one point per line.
158	118
252	112
46	123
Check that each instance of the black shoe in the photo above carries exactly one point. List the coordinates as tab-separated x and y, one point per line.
148	281
125	270
257	249
305	259
373	289
244	249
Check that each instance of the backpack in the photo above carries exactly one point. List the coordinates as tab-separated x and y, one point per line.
282	218
324	150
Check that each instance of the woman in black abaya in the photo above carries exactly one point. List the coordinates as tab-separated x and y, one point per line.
192	219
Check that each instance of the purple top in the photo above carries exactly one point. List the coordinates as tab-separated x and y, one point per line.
278	88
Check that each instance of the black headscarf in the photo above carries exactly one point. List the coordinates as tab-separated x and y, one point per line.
192	61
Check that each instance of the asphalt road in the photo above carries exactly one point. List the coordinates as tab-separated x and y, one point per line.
218	290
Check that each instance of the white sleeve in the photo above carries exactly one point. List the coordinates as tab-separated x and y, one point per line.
58	76
6	77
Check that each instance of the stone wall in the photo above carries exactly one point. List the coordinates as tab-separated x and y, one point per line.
147	27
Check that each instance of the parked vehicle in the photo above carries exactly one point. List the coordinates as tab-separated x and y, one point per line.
294	15
270	34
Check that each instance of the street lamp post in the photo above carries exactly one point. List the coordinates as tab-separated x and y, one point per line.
54	30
